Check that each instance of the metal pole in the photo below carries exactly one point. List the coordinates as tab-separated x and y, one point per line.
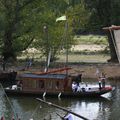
66	40
45	29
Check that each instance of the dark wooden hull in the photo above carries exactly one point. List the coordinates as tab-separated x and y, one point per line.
8	77
62	94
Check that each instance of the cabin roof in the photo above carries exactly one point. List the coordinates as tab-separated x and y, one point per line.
46	76
113	27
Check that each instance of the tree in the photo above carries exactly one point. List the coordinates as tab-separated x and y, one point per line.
13	27
104	13
22	23
52	37
100	13
79	15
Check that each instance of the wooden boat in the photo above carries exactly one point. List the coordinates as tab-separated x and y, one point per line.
8	77
53	84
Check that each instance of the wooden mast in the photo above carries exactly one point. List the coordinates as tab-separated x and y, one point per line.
53	71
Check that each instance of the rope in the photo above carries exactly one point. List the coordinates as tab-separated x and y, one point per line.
8	101
34	111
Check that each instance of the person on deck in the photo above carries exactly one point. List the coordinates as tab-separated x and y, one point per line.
19	85
74	86
29	62
100	84
2	118
68	116
103	79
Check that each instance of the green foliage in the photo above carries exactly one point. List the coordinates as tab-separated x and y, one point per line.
54	37
14	26
24	20
103	13
79	16
22	23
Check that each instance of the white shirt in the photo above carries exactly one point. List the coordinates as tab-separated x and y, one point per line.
74	86
69	117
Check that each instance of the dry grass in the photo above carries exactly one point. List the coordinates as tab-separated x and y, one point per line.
77	58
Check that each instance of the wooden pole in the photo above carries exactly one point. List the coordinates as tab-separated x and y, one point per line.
113	39
62	108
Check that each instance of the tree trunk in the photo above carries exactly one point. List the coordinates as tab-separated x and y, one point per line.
8	51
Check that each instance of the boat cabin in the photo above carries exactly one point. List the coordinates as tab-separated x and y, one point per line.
45	83
54	84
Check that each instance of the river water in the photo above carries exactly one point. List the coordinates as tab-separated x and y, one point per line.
106	107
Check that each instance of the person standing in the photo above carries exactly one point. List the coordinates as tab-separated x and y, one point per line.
103	79
74	86
100	84
2	118
29	62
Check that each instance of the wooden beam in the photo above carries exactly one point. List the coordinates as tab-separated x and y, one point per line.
62	108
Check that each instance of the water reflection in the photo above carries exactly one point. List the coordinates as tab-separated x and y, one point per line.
103	108
115	97
5	108
30	107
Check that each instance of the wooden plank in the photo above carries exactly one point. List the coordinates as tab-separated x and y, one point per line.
53	71
113	27
117	42
62	108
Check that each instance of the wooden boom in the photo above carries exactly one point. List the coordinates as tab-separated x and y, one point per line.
53	71
62	108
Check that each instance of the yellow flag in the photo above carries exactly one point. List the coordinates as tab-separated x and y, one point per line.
61	18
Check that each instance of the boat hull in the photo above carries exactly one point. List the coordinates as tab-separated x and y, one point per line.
60	94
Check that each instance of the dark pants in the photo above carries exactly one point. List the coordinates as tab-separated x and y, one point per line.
100	85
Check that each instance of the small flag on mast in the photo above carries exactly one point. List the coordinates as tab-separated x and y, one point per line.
61	18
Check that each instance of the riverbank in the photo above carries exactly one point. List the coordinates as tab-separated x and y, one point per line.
88	70
111	70
87	63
